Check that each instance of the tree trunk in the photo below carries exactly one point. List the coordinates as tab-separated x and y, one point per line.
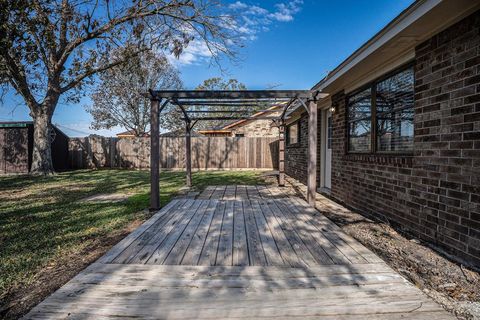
42	153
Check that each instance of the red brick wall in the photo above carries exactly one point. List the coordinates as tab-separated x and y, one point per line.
296	155
436	193
447	136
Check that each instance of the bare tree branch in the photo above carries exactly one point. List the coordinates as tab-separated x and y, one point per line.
51	49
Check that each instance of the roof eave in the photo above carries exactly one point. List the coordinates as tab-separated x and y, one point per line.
411	11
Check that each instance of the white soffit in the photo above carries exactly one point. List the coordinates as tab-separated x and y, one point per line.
374	72
324	103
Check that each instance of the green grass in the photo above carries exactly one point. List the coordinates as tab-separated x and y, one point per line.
42	218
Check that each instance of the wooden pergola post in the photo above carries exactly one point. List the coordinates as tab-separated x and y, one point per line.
240	101
281	154
188	153
312	152
154	154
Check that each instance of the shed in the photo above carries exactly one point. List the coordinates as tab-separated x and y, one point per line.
16	147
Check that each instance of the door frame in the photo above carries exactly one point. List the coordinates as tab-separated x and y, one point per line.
323	146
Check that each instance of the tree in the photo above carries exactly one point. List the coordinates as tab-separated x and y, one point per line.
51	49
119	98
218	83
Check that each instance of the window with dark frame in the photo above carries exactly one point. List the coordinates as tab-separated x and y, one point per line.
360	121
380	116
293	134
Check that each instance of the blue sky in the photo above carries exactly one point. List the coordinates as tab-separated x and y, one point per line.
305	39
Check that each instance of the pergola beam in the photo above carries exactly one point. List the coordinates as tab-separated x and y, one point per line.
232	118
231	102
229	105
233	94
230	111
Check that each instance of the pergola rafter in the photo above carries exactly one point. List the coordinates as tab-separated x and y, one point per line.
223	118
234	94
201	105
231	111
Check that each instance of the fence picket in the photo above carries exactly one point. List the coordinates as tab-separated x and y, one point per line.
207	153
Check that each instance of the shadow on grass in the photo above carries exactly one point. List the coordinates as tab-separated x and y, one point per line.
42	218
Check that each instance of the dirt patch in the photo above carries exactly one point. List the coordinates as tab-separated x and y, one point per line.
20	300
454	286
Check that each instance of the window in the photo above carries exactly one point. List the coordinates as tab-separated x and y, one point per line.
380	118
394	101
293	134
360	121
239	135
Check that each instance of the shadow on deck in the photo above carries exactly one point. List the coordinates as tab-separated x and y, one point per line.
239	252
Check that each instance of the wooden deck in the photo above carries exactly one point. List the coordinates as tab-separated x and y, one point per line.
238	252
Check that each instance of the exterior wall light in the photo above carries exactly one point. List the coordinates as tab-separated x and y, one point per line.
332	109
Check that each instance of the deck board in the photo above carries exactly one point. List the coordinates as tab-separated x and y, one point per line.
225	246
173	233
240	246
286	250
180	247
192	254
272	255
243	252
208	253
292	235
255	250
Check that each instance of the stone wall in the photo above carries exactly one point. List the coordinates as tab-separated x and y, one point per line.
257	128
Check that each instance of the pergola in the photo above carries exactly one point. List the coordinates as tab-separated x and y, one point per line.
201	105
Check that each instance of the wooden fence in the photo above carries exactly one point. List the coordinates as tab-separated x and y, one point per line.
208	153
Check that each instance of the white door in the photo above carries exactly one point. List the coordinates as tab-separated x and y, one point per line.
328	149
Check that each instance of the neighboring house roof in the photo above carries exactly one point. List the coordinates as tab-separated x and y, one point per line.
394	45
129	134
215	131
228	127
179	133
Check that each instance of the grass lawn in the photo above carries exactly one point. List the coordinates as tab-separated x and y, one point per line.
47	233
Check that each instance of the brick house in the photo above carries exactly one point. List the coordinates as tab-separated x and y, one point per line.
248	128
399	133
